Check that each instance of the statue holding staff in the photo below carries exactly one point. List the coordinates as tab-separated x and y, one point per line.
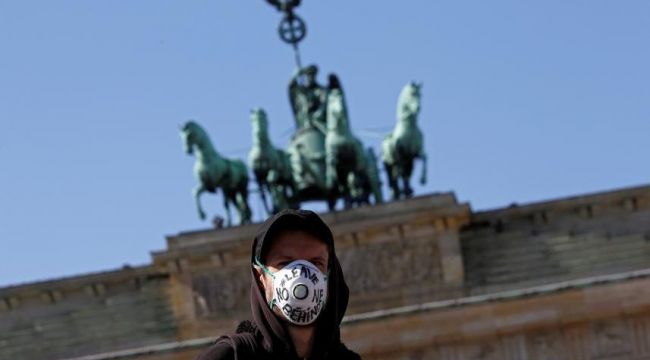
308	99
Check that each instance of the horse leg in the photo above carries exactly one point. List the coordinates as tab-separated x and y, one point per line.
226	205
331	202
331	169
344	191
198	190
242	206
273	190
332	197
289	187
406	178
347	199
290	195
376	193
392	180
357	188
368	184
278	191
408	191
375	187
261	189
281	199
367	188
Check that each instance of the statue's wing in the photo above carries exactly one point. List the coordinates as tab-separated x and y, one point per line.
293	91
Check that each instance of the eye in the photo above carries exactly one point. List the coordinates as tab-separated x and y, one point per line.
320	264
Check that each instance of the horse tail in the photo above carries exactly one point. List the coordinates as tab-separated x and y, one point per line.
423	177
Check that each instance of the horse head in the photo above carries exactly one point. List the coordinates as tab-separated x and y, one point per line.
408	106
260	123
192	134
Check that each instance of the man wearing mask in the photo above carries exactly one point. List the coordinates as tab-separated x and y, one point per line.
298	295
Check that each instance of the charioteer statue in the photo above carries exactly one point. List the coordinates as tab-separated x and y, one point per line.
308	98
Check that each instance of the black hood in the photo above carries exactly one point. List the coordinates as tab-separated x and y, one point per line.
276	339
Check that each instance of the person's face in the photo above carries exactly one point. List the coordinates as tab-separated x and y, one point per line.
287	247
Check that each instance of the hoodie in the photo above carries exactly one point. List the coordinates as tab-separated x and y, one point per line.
270	339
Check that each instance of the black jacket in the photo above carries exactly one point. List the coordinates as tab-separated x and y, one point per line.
266	336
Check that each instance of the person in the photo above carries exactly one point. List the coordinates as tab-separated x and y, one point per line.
298	295
307	98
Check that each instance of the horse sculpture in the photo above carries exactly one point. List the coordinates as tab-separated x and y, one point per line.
271	166
214	171
405	144
348	169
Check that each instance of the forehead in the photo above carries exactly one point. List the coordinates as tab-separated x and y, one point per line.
296	244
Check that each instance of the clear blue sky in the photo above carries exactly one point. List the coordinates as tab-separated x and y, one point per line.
522	101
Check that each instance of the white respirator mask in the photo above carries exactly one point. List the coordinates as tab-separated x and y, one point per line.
299	291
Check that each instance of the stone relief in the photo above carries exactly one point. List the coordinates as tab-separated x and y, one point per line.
641	338
576	340
546	345
610	338
482	351
384	266
368	269
221	292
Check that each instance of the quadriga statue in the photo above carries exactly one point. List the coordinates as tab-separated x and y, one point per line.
350	170
271	166
405	144
216	172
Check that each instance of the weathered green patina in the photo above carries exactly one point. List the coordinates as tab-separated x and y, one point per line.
373	178
349	170
324	160
216	172
271	166
308	99
307	147
405	144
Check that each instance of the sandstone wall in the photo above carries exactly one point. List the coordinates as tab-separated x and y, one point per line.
429	279
601	321
392	255
559	240
85	315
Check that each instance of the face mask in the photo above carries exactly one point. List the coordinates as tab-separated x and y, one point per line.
299	291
